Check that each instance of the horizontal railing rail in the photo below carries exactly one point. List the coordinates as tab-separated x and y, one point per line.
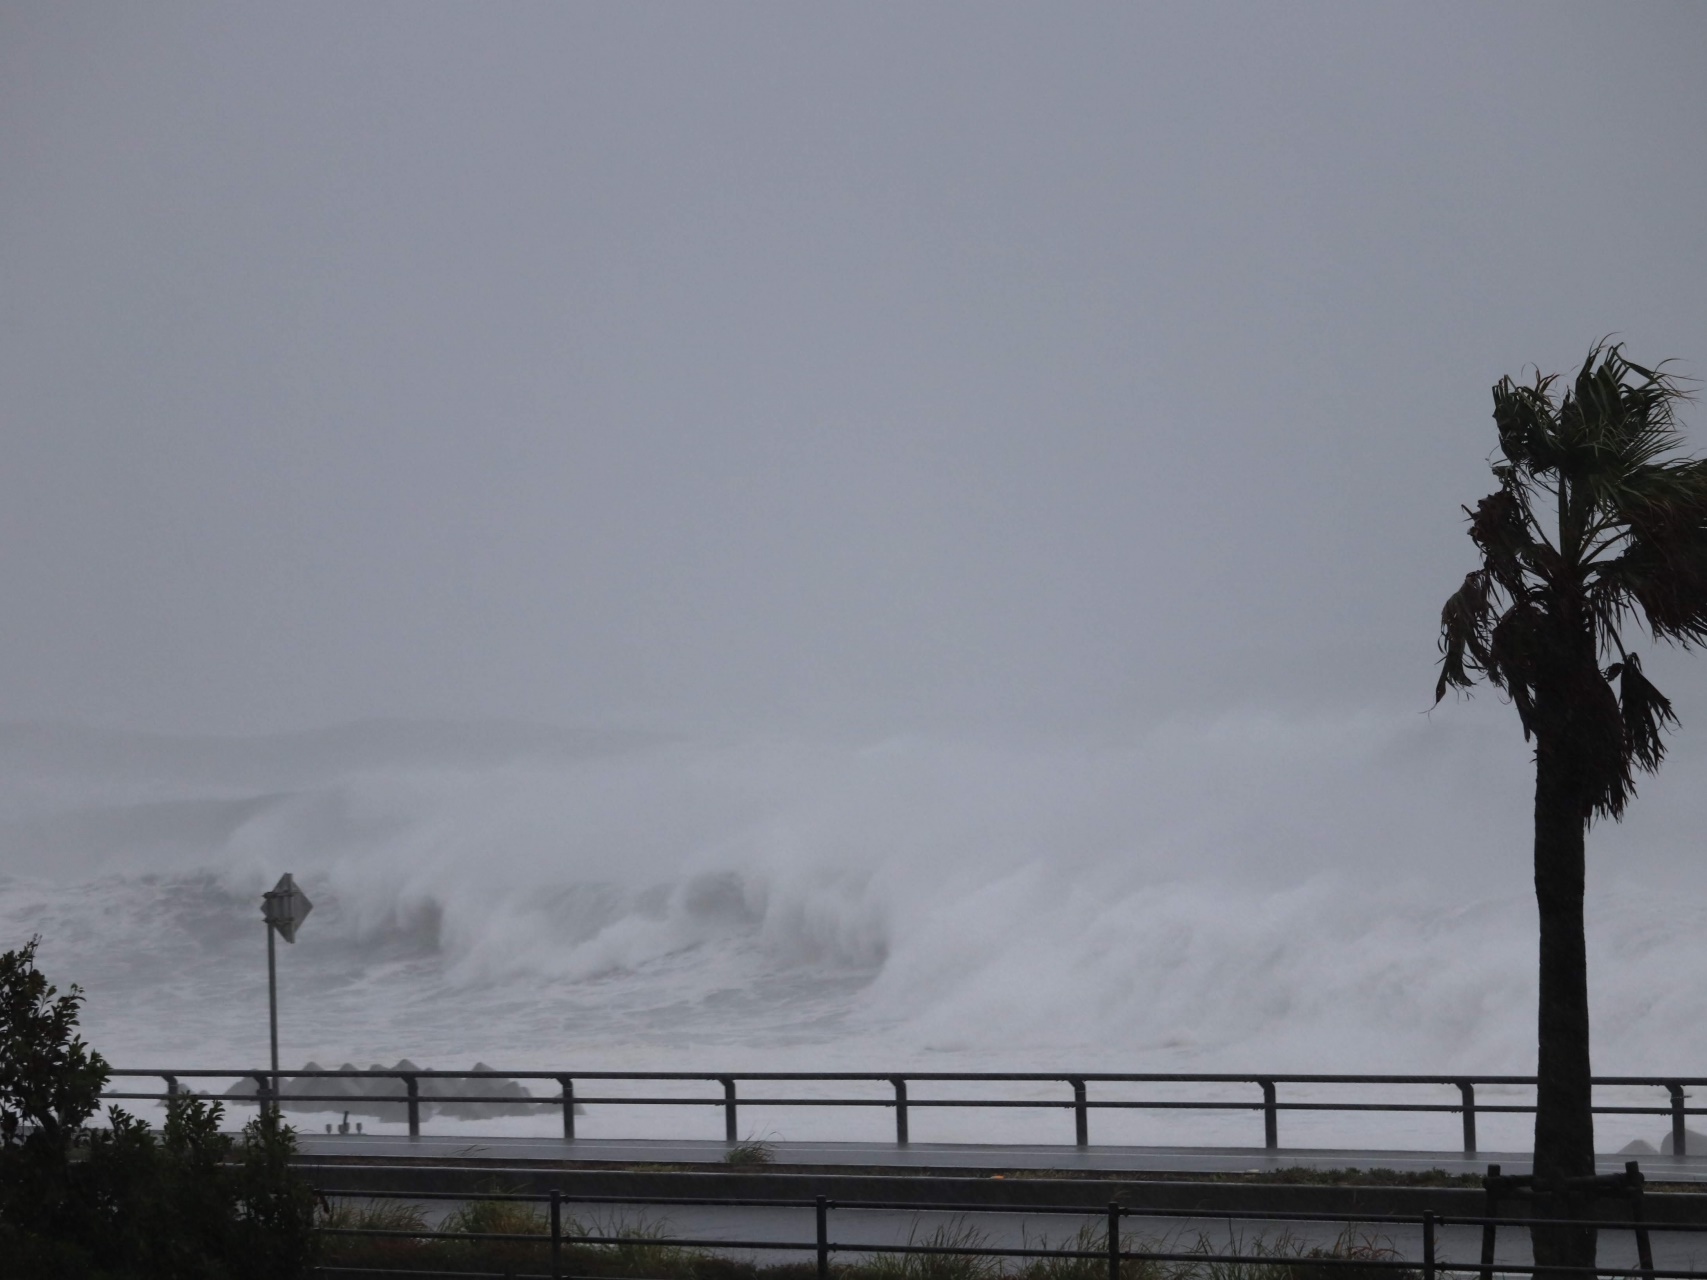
270	1090
554	1235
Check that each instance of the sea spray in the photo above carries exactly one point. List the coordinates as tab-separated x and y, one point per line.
1323	893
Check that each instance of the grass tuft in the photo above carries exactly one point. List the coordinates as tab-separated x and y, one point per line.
956	1234
751	1153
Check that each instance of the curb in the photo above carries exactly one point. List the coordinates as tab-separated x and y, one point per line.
925	1190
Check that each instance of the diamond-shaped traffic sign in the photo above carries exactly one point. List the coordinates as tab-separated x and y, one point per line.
286	907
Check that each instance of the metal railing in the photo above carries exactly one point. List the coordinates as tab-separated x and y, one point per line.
1114	1250
269	1093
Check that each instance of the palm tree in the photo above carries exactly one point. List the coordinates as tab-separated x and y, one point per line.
1598	525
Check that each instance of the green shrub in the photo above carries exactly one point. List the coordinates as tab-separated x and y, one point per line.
123	1202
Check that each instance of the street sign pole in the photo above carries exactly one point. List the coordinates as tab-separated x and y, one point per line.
284	908
273	1002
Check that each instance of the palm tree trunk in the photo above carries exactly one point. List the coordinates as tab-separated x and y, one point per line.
1564	1123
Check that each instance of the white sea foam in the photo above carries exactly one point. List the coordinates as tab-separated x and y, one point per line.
1331	893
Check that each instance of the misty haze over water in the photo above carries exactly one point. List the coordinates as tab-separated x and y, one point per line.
1235	891
852	537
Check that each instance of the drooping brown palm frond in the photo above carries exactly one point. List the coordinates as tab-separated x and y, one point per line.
1598	524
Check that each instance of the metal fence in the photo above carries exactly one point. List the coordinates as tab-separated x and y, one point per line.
1114	1248
1270	1103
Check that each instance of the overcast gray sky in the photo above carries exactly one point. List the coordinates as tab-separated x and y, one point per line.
866	365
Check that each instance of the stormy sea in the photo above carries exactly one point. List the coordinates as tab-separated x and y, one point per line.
1249	892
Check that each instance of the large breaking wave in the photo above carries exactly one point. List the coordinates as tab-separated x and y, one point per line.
1329	893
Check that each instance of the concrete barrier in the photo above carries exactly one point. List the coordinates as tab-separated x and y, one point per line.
1177	1196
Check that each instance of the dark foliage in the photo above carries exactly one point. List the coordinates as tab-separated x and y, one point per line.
123	1202
50	1081
1596	525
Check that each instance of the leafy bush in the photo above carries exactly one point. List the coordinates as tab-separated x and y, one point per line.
50	1081
122	1202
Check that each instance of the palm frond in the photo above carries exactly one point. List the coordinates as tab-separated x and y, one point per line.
1662	567
1645	711
1463	634
1524	418
1615	424
1516	653
1624	542
1589	724
1504	530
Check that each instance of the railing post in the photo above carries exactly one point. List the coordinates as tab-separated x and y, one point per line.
1113	1240
1467	1091
823	1207
1270	1116
557	1235
171	1085
1428	1245
567	1083
900	1110
1490	1208
1081	1114
1633	1183
730	1128
264	1092
1679	1135
414	1087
